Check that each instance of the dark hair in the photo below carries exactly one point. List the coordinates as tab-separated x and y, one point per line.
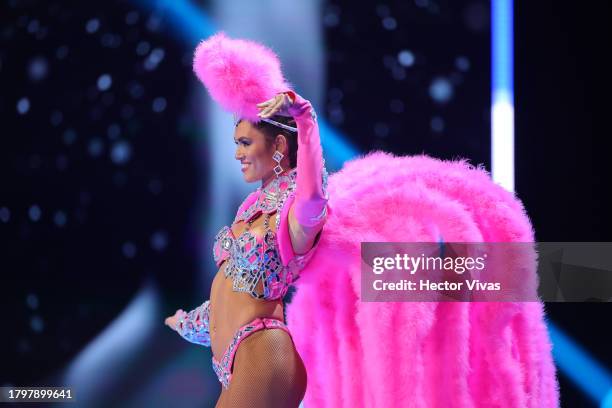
270	131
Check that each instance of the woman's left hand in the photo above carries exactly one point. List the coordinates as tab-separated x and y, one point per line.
279	105
173	321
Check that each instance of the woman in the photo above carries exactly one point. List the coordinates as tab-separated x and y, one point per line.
274	233
357	353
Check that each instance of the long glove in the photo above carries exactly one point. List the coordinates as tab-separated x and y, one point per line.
310	206
194	326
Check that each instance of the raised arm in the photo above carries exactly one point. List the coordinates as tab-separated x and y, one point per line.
309	209
308	212
311	198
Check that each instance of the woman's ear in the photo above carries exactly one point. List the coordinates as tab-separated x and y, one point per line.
281	144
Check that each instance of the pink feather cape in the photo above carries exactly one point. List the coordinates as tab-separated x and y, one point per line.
423	354
238	73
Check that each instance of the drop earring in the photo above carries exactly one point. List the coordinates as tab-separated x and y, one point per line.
277	157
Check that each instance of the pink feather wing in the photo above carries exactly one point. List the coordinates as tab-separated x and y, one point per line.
418	354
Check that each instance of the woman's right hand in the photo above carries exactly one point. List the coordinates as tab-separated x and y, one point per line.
172	321
279	105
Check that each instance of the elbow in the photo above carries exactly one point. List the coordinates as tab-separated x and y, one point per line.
311	213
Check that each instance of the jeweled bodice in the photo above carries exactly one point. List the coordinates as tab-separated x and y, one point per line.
251	257
254	258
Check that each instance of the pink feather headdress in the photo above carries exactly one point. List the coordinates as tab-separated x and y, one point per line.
238	73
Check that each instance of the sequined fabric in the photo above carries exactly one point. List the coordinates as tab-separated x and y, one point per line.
253	258
194	326
271	198
223	368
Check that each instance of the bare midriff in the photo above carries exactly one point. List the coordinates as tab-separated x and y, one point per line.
230	310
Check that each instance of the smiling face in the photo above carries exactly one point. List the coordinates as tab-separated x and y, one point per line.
255	152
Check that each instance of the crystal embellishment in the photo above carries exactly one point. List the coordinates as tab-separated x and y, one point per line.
226	243
277	156
252	259
194	326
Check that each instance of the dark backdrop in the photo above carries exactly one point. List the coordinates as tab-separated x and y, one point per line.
99	181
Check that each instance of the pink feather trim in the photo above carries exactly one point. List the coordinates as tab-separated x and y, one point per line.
238	73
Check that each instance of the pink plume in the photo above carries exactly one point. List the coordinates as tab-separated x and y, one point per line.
238	73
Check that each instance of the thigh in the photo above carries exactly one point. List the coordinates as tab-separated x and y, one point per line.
268	371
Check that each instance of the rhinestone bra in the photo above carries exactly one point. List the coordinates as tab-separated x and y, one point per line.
253	258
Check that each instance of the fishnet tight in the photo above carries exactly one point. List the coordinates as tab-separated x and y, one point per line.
267	372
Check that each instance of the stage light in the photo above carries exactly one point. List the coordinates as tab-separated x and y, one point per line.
121	152
581	368
104	82
405	58
23	106
34	213
441	90
502	111
92	25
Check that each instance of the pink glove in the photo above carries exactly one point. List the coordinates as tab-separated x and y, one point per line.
310	205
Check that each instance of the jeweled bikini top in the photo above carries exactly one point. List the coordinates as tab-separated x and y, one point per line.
252	258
